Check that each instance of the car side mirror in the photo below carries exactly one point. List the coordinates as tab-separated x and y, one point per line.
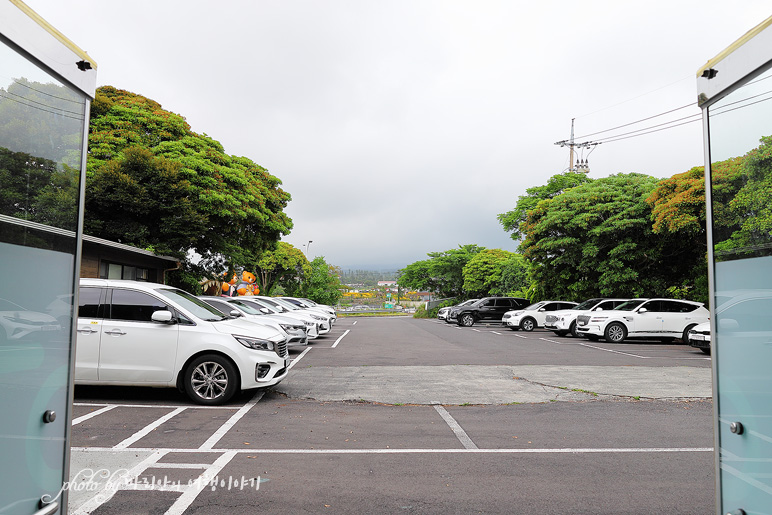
235	313
542	310
598	309
161	316
265	310
643	310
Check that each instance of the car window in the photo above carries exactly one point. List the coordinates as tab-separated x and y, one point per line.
750	315
630	304
654	306
88	302
587	304
192	303
134	305
247	306
504	303
566	305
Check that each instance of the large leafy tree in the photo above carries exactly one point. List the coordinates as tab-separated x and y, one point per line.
284	265
513	221
441	273
322	284
143	200
240	203
596	239
483	273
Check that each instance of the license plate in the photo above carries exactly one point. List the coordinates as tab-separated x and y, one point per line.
700	337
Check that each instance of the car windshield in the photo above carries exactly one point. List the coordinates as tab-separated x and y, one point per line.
247	306
286	305
196	306
271	304
221	306
587	304
629	305
535	306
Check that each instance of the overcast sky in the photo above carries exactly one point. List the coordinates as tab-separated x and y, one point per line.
405	127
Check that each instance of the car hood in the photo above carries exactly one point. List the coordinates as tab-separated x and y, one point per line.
247	328
28	317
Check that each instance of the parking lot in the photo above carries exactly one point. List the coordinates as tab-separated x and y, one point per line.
396	415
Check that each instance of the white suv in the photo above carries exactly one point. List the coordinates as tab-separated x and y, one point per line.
533	316
145	334
563	322
664	319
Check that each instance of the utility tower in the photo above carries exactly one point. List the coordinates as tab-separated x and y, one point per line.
578	166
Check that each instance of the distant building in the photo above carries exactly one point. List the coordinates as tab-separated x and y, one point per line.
387	283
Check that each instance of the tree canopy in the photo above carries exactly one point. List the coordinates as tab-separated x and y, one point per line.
284	265
441	273
234	209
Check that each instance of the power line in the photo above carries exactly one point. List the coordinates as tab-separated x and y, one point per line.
40	108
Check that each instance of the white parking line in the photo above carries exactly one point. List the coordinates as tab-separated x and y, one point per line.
184	501
340	338
355	322
231	421
148	428
559	450
92	414
167	406
113	486
298	358
457	429
494	332
624	353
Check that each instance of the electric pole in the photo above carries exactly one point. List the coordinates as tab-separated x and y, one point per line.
578	167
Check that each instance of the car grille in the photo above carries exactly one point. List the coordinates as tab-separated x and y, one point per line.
281	349
550	318
582	319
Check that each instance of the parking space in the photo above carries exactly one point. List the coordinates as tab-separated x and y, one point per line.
278	452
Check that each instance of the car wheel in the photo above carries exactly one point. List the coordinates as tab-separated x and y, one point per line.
211	379
573	331
467	320
527	324
705	351
615	333
685	336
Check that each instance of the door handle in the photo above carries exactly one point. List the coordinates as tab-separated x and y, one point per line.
86	330
115	332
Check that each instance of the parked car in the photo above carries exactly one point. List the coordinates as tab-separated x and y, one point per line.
487	308
563	322
534	315
311	306
443	312
287	307
315	326
295	329
19	323
665	319
146	334
699	337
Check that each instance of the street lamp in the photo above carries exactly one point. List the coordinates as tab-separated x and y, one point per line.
308	246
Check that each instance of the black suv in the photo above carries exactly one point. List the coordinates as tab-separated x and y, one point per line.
488	308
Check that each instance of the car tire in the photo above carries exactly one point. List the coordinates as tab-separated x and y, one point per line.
560	333
592	337
705	351
685	335
573	331
211	379
528	324
615	332
466	320
514	328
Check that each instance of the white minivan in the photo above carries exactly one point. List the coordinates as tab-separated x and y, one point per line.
145	334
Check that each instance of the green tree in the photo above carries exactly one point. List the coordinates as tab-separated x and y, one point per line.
241	203
483	273
145	201
513	221
749	211
442	273
323	284
596	239
516	277
285	266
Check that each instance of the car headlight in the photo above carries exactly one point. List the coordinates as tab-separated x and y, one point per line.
254	343
317	317
517	313
291	327
506	315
